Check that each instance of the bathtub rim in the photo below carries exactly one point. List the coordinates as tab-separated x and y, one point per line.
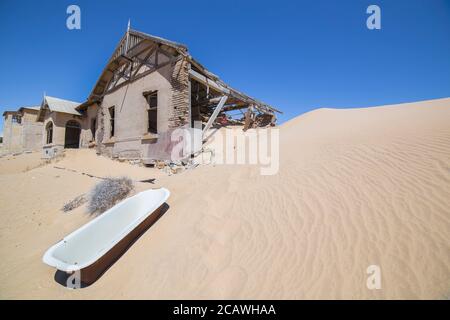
50	260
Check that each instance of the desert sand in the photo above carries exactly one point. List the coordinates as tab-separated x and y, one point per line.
356	187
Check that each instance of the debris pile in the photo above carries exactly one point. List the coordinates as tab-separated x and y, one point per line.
171	167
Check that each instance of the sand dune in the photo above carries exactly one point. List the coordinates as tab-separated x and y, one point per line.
356	187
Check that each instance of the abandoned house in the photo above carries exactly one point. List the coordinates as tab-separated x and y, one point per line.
151	86
63	126
21	132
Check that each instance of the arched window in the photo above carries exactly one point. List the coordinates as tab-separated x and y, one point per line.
49	130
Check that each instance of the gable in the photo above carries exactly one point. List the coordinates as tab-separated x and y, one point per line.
136	55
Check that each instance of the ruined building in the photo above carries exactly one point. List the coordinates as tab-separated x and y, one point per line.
21	132
151	86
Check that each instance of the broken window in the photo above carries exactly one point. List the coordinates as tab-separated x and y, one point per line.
93	128
49	130
152	110
16	119
111	120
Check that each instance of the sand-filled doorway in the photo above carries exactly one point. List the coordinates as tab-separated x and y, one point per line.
72	137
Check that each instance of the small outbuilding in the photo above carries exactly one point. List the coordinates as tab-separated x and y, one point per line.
21	132
62	125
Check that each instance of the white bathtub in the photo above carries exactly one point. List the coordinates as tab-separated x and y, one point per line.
96	245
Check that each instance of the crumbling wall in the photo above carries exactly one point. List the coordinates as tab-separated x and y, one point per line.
12	135
32	131
86	136
23	136
131	138
100	132
7	133
179	113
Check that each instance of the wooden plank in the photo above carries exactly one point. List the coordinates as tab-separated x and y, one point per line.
231	92
215	114
145	61
263	107
202	79
140	48
143	74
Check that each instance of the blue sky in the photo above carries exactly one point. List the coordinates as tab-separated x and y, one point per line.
295	55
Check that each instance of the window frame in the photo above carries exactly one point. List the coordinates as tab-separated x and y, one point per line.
152	110
112	120
93	128
49	128
16	118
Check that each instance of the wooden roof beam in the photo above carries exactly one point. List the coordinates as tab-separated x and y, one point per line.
262	107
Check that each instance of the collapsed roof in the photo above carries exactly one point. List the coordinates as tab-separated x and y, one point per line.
135	43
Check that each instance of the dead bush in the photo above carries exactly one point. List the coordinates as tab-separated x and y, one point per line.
75	203
107	193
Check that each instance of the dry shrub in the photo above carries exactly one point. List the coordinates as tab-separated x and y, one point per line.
75	203
107	193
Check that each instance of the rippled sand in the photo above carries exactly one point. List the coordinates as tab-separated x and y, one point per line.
356	187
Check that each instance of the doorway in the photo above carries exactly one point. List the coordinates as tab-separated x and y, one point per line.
72	137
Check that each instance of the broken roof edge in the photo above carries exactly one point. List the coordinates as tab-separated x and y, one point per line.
110	60
170	43
9	112
86	104
33	108
236	93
